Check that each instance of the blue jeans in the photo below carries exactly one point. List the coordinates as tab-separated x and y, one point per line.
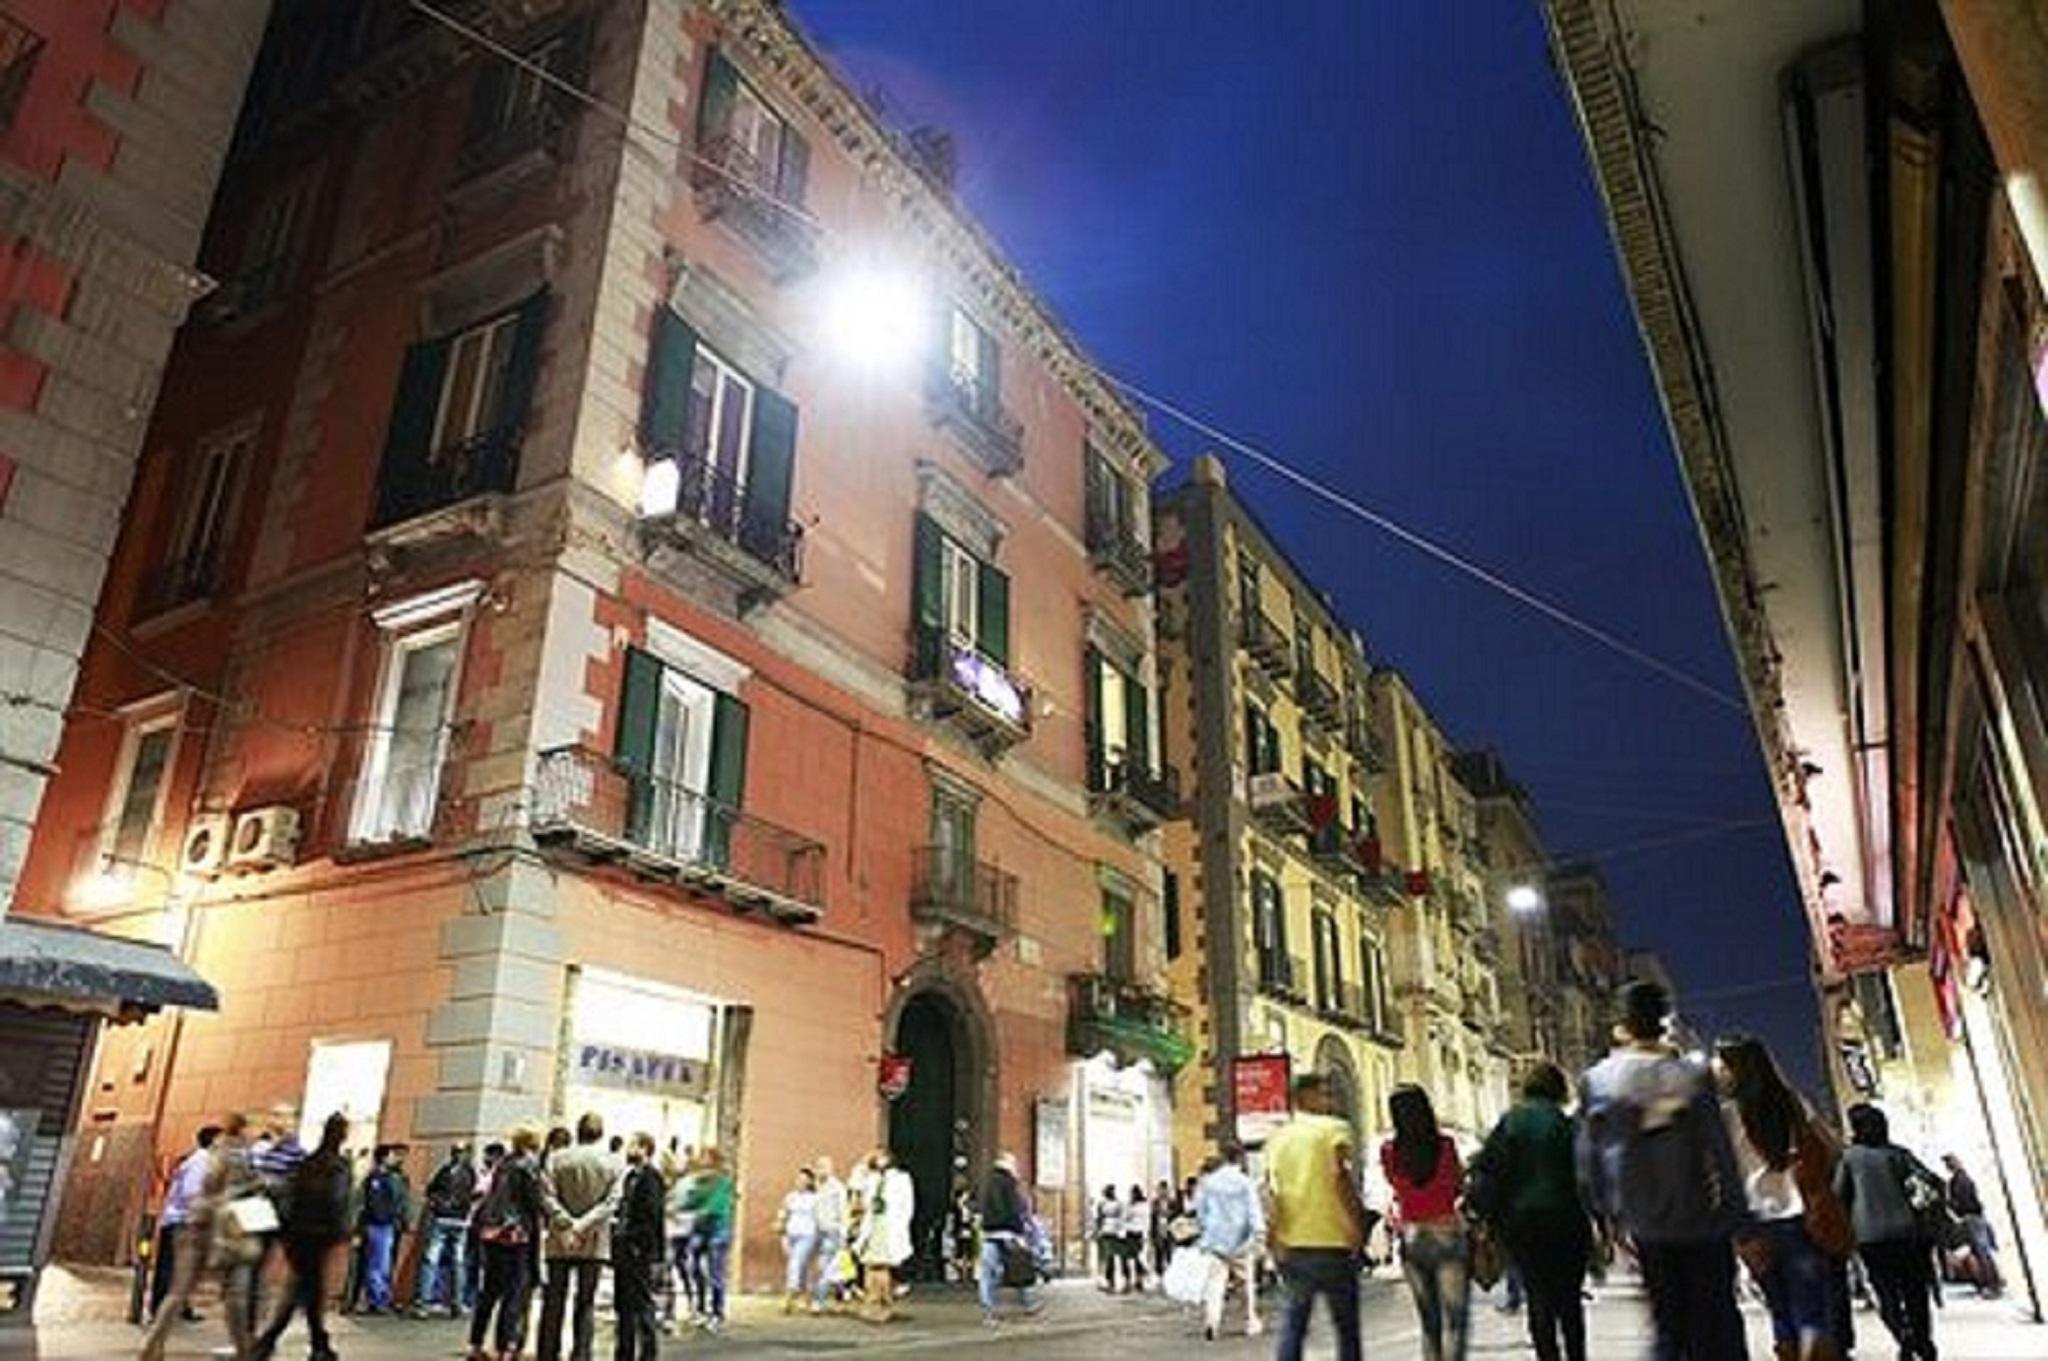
446	1261
830	1244
1797	1284
989	1272
1333	1274
1438	1264
380	1242
798	1249
714	1244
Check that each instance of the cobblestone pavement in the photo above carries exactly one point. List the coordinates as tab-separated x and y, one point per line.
1077	1323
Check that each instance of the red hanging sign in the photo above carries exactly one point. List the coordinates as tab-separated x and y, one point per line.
1259	1082
892	1075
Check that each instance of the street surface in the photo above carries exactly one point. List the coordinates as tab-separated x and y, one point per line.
1078	1323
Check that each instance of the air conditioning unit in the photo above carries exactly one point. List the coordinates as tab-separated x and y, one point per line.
265	838
206	845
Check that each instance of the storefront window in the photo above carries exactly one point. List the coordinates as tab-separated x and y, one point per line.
346	1076
641	1054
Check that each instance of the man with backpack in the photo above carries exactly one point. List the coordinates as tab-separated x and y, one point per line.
451	1191
387	1207
1656	1164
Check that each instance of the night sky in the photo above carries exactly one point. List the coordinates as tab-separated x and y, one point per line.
1363	237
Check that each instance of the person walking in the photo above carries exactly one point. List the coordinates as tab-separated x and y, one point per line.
275	1155
1879	1182
711	1214
244	1216
1787	1172
451	1195
580	1189
1421	1165
315	1224
385	1211
1531	1174
181	1196
1167	1207
1967	1205
1655	1162
638	1251
1226	1206
686	1303
885	1236
1137	1227
1108	1231
1318	1223
798	1222
1005	1214
225	1163
830	1211
508	1224
473	1248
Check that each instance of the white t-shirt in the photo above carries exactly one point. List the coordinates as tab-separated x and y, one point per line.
1772	1193
800	1214
830	1207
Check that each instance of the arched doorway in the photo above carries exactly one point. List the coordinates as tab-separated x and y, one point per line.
1333	1061
934	1130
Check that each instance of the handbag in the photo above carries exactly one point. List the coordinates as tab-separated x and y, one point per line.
1020	1265
1187	1276
1488	1262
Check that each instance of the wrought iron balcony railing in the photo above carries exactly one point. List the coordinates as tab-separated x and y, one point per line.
590	803
715	518
1130	1021
484	463
949	887
1363	741
736	187
1267	642
1138	797
533	134
1278	803
961	684
1320	699
972	407
1115	550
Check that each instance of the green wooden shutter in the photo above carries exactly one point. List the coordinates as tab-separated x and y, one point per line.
771	459
522	366
633	740
927	595
793	171
993	607
714	110
1138	734
1096	488
1251	739
1093	727
665	398
727	782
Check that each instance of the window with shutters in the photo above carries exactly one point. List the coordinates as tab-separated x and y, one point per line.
518	109
960	638
1119	936
196	551
1329	963
137	798
1114	508
407	740
1269	928
682	747
271	247
751	169
960	582
1170	912
460	414
1261	741
721	451
966	392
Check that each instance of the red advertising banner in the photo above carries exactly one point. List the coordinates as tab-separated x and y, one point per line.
1260	1083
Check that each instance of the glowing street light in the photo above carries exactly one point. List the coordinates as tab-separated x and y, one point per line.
1525	899
876	319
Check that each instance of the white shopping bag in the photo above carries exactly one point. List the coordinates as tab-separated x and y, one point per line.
1187	1275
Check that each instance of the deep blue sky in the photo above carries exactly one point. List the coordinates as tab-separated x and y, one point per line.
1363	236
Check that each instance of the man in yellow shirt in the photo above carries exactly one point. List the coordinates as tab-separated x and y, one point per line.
1317	1221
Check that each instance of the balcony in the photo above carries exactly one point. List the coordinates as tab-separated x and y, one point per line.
1136	798
1131	1022
496	157
21	47
735	188
1363	742
1267	643
973	409
1330	846
949	888
417	498
1320	700
713	521
1114	551
588	806
1278	804
958	684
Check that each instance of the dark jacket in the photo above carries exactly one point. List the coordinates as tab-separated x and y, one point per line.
317	1198
1002	1204
386	1198
451	1190
1530	1165
638	1235
513	1202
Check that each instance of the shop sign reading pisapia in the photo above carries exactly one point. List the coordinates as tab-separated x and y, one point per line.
640	1070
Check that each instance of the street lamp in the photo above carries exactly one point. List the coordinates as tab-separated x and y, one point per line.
1525	900
876	317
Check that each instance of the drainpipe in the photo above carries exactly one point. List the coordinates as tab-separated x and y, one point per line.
2004	54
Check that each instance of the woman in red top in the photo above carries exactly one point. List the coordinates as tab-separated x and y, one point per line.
1422	1166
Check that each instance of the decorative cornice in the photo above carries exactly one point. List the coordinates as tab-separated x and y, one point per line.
777	52
957	510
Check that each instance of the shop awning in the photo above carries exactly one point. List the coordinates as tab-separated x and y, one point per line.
53	965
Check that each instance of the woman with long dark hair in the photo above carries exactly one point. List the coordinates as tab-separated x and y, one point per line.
1787	1171
1529	1169
1421	1164
316	1223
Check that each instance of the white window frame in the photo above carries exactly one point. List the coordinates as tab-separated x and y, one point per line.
494	337
149	716
234	447
960	585
1110	683
748	122
728	376
408	626
681	763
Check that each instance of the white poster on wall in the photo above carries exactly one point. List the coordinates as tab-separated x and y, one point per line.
346	1076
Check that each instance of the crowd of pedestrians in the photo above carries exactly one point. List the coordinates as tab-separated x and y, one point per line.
1698	1172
